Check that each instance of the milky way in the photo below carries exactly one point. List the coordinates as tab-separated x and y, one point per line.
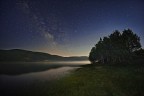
66	27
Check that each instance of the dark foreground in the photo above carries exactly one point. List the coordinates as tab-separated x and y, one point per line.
99	80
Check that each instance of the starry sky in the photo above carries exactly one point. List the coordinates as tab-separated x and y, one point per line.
66	27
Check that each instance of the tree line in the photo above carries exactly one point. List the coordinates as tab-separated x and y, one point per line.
117	47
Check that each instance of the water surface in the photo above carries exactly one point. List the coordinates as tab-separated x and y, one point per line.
52	71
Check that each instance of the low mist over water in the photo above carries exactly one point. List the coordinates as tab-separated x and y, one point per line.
30	78
31	72
67	62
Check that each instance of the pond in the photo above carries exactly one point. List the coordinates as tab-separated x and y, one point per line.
54	71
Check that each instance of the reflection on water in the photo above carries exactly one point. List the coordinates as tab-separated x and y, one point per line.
33	73
20	80
44	75
16	68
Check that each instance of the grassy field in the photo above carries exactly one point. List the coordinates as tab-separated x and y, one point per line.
100	80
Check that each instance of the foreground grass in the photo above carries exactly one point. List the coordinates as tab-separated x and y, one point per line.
93	81
101	81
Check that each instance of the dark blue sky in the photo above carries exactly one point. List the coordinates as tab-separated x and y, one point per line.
66	27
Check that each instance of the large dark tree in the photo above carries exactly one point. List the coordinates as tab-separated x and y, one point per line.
92	55
117	47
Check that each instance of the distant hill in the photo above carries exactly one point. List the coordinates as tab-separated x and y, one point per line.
25	55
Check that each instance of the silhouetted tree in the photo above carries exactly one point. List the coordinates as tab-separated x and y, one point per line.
131	40
116	47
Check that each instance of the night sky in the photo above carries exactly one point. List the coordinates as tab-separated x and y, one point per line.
66	27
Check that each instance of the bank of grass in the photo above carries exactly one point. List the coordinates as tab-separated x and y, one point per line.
99	80
102	81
